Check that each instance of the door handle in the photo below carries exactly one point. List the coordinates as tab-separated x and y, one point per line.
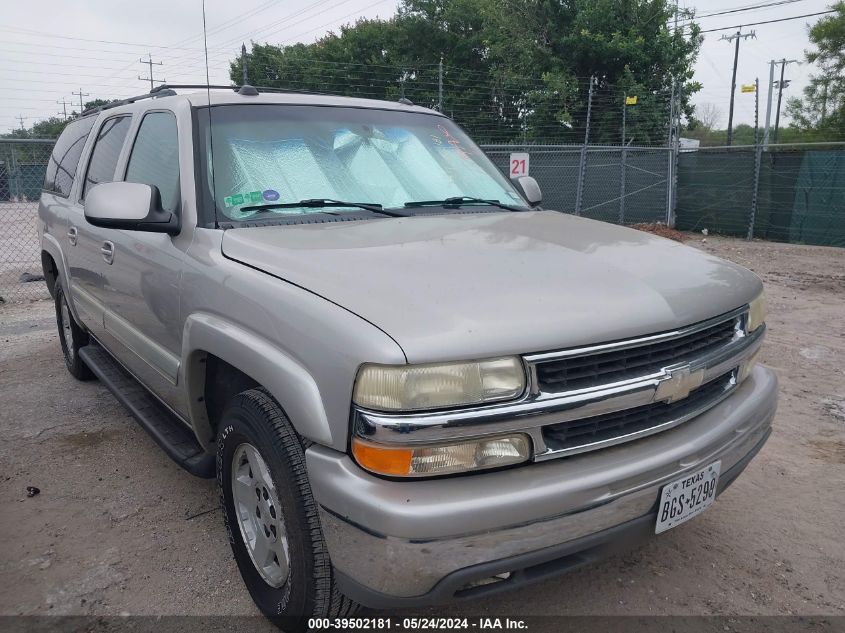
107	249
72	235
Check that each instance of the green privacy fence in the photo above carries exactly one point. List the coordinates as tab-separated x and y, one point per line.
800	193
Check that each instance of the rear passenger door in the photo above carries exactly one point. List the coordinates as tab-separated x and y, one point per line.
142	284
88	244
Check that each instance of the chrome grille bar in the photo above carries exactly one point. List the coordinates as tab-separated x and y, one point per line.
538	409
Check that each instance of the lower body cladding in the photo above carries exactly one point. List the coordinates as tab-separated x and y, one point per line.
412	543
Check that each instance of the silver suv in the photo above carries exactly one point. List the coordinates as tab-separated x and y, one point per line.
412	384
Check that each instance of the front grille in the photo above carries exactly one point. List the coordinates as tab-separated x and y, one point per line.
579	372
569	435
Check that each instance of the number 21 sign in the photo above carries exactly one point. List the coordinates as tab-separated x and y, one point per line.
518	164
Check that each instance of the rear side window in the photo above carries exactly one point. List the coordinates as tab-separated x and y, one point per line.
106	150
155	157
61	168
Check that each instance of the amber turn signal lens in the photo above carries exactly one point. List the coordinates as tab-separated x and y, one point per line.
383	460
441	459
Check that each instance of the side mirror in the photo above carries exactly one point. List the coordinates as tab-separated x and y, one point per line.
530	190
131	206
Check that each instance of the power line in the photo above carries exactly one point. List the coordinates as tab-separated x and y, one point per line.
753	7
794	17
263	31
175	61
31	33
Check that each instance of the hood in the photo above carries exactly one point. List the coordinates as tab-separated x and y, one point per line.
463	286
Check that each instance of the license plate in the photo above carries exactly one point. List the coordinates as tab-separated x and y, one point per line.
687	497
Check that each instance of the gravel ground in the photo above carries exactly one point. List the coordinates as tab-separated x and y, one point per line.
117	528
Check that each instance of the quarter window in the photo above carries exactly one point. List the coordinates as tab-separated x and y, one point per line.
106	151
61	169
155	157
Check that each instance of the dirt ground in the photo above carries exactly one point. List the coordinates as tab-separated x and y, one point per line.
117	528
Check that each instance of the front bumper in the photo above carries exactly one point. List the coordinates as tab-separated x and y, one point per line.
409	543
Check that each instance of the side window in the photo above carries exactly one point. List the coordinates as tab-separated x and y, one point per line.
61	169
106	150
155	157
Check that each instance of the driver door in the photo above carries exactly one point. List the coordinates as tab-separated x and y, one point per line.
142	283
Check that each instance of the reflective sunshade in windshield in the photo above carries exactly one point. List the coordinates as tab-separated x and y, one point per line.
277	154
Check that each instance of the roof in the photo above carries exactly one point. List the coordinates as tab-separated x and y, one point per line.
199	96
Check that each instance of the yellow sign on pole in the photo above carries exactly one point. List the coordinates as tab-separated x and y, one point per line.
631	100
749	88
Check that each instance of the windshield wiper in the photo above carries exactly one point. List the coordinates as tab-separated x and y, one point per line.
458	201
322	203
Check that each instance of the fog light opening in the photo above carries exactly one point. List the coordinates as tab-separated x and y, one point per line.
482	582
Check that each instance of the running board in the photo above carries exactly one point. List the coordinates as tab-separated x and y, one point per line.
166	429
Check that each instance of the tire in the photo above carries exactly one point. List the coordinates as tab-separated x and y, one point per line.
254	424
71	337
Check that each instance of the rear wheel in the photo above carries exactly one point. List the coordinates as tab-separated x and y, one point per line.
271	516
71	337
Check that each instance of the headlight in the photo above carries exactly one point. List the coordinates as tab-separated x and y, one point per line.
421	461
413	387
757	312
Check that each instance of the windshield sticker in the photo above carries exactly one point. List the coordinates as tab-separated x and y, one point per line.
270	195
455	143
243	198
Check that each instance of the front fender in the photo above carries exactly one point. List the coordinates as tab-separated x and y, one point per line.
287	380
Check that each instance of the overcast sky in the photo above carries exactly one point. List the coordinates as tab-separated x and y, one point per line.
51	48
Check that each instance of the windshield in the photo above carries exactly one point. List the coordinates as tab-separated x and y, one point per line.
269	155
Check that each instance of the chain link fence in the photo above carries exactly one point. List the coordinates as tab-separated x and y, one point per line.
22	166
625	185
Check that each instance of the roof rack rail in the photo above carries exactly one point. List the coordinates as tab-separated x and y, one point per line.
165	90
168	90
163	87
157	92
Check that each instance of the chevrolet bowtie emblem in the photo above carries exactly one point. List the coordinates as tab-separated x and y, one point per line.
678	384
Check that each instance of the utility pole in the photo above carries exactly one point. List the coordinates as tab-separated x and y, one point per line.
149	62
243	65
80	94
769	103
64	104
21	118
736	36
781	86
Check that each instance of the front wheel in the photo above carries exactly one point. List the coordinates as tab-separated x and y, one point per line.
271	517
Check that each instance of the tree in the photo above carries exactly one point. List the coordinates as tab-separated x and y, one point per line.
822	108
708	116
509	75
